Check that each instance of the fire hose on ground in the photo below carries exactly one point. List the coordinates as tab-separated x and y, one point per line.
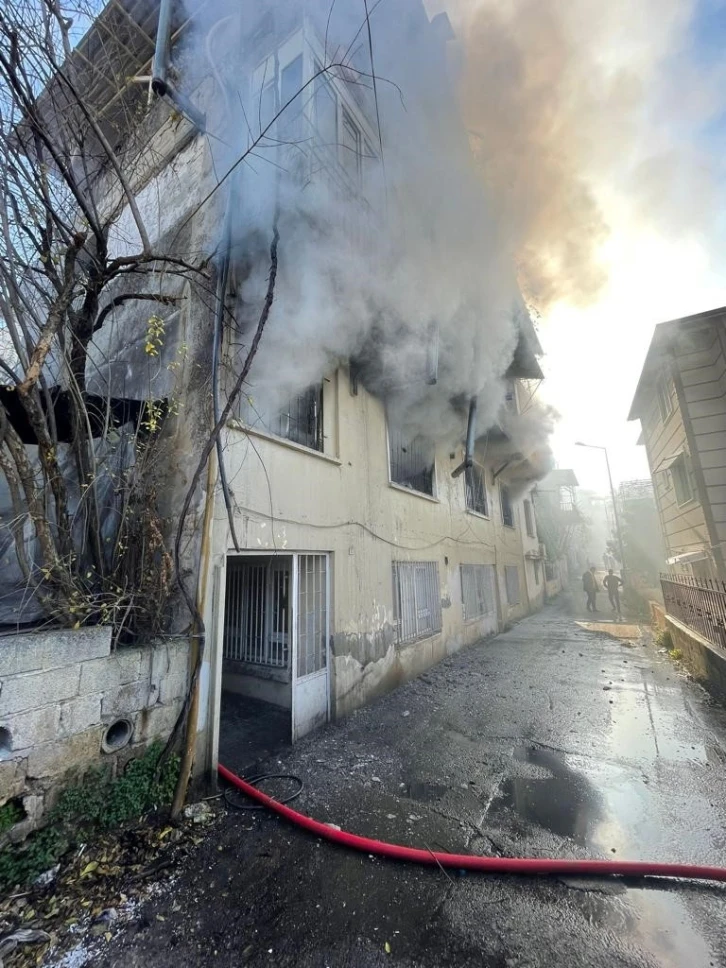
528	866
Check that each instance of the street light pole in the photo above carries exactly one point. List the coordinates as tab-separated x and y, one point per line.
619	533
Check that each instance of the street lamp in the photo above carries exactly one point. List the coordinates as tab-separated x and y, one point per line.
579	443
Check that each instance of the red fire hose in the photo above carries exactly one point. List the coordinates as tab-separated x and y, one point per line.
472	862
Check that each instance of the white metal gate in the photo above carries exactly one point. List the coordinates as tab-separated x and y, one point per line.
311	630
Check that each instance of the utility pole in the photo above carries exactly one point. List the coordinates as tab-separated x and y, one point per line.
618	530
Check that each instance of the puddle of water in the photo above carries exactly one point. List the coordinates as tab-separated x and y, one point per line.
564	802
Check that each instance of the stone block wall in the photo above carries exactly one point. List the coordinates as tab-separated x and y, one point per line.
68	702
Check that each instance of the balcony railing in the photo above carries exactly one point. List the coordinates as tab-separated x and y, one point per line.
700	603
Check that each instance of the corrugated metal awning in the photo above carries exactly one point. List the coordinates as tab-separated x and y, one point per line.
668	462
687	557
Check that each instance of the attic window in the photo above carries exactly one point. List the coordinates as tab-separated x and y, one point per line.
663	391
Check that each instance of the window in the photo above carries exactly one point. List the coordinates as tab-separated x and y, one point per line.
507	511
412	461
681	474
663	390
529	519
350	148
549	571
300	419
511	582
416	599
290	84
325	108
535	563
477	590
510	396
567	499
475	487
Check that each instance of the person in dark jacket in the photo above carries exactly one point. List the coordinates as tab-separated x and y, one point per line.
589	586
612	583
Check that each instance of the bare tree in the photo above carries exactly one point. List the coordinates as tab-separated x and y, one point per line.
77	459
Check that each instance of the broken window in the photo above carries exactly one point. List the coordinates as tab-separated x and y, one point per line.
477	590
416	599
476	492
412	461
529	519
507	510
299	419
511	582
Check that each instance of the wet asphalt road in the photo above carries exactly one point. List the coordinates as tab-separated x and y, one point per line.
547	740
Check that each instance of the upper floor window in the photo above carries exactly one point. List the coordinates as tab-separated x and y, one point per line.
681	474
299	419
663	390
351	154
507	510
529	519
510	396
476	492
412	461
325	108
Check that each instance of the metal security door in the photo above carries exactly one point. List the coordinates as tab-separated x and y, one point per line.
311	624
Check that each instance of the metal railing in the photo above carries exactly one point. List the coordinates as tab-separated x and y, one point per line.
700	603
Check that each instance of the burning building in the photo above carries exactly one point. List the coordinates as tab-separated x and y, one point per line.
336	352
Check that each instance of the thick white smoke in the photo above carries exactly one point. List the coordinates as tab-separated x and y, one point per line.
416	268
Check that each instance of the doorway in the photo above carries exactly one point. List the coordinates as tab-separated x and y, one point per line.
275	683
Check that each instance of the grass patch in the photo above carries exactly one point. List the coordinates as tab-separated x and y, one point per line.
96	804
10	814
675	654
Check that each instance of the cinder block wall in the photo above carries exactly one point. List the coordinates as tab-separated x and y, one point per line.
68	702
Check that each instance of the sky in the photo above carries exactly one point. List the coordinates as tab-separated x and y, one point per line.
606	124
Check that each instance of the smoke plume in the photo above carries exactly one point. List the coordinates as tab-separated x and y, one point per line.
572	105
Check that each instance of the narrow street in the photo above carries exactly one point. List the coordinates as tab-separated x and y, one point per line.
546	741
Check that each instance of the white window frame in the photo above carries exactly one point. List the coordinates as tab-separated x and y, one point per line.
479	580
680	472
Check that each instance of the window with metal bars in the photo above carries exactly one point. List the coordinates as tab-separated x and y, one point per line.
476	492
477	590
312	648
412	461
507	510
416	599
299	419
511	582
529	519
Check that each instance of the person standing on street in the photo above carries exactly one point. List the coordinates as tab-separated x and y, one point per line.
612	583
589	586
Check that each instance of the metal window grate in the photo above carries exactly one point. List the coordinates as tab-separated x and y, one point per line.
257	612
700	603
412	461
476	492
416	599
506	501
301	419
477	590
312	616
511	581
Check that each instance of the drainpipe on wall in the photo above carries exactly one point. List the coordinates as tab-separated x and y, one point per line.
160	83
470	440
